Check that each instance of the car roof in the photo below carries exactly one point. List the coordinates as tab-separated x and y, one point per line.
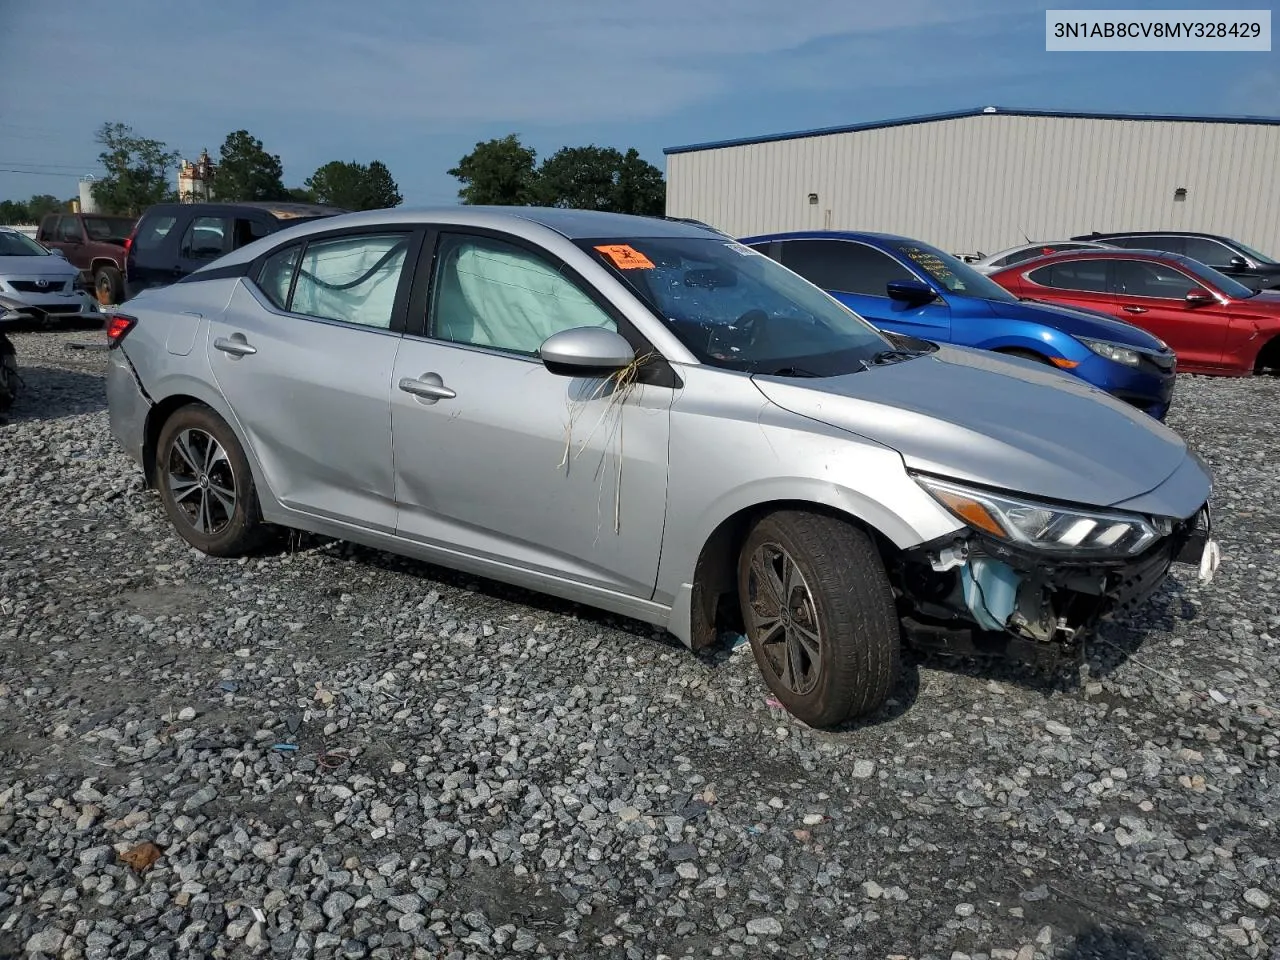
520	221
863	235
282	210
1117	254
1154	233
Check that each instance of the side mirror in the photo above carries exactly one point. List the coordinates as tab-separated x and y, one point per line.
585	352
1239	263
911	291
1198	298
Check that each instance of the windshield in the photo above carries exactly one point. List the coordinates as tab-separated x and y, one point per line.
115	229
955	276
14	244
1232	288
1253	254
735	308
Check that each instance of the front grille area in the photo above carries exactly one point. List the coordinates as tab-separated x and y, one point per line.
33	286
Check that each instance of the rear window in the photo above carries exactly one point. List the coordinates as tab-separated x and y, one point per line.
110	229
152	231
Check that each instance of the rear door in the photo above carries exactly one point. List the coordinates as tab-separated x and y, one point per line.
857	275
304	355
153	255
1152	295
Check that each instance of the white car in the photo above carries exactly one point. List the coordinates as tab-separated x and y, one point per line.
1029	251
39	278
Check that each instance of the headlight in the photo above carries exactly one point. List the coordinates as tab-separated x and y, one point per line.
1043	526
1113	351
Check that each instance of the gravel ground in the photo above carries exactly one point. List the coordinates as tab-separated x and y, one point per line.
338	753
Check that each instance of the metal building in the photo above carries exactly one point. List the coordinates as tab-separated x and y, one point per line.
988	178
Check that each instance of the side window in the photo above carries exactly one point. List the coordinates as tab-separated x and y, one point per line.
205	239
1167	244
68	230
247	231
352	279
768	248
1088	276
1143	278
821	262
152	231
1209	252
275	276
489	293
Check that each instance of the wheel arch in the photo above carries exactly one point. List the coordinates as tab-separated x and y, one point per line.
714	588
1268	355
101	261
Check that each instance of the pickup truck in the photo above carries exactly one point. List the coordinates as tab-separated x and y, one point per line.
94	244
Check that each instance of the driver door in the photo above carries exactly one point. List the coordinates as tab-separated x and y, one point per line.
499	459
1152	295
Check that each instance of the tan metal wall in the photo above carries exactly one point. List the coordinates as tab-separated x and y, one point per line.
980	183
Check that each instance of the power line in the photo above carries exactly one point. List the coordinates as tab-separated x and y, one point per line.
38	173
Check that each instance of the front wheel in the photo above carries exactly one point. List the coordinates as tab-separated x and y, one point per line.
820	616
204	480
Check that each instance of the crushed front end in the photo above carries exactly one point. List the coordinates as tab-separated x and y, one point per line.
1031	581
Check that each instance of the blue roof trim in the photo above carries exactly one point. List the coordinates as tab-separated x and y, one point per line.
961	114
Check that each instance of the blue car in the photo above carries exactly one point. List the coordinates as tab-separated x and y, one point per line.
909	287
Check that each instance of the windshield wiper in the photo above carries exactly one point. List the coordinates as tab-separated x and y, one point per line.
793	372
894	356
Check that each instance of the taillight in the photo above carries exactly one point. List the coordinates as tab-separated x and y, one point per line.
118	325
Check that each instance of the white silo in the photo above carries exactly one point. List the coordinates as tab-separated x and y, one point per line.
88	204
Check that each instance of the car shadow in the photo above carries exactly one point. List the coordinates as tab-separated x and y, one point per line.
1098	943
48	393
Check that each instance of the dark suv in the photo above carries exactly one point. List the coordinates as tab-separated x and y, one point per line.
1242	263
172	240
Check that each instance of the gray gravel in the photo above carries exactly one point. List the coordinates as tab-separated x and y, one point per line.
339	753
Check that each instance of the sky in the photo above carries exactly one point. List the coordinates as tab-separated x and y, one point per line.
417	83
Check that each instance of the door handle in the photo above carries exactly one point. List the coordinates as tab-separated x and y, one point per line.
235	346
429	388
1135	309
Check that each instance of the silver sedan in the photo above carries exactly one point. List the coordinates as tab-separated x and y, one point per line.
645	416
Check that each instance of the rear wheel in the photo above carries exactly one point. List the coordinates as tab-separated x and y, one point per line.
820	616
108	284
204	480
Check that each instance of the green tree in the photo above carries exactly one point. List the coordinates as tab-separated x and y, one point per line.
43	204
499	171
300	194
245	171
583	178
354	186
14	211
639	188
137	171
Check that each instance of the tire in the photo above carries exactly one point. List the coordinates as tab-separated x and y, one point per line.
843	592
10	381
194	481
107	282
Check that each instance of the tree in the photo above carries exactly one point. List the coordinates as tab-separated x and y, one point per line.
300	194
41	205
246	171
498	171
354	186
137	171
640	188
583	178
14	211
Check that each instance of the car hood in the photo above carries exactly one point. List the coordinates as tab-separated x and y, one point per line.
1077	322
1001	422
36	267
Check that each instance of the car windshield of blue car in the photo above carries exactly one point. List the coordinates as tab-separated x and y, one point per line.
956	277
1232	288
736	308
14	244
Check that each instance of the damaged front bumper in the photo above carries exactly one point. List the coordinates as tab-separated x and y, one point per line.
974	595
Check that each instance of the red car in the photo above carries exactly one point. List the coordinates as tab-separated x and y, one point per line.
1213	323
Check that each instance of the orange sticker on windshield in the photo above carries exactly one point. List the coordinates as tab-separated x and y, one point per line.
626	257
